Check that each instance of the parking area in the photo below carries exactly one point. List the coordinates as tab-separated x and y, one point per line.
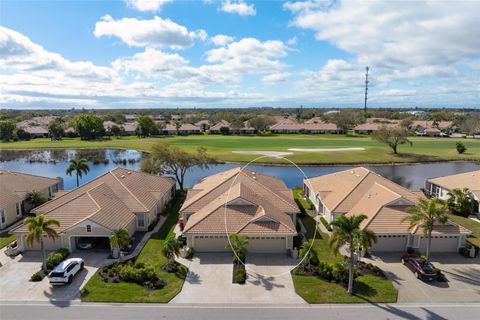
210	280
15	275
463	275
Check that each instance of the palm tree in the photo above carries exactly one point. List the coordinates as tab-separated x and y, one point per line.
460	202
35	198
37	227
347	231
171	248
308	255
365	241
239	245
425	214
119	239
79	166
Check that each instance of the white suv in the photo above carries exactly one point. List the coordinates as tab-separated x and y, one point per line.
65	271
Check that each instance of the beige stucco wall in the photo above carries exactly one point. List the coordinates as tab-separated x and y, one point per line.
10	212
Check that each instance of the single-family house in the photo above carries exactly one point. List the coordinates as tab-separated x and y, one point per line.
120	198
360	191
432	128
14	188
243	202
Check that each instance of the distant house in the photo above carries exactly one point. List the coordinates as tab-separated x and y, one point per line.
176	117
360	191
120	198
215	129
372	125
184	129
159	117
432	128
130	117
14	187
245	129
130	128
312	126
37	127
441	186
204	125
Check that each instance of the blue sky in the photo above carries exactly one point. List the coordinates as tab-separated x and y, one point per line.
160	53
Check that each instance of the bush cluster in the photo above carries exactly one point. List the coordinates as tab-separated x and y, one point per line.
239	274
370	268
139	273
37	276
56	257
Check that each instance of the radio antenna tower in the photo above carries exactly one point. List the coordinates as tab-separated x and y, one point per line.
366	87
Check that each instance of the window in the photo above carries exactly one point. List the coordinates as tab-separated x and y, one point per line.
89	228
141	220
19	209
3	219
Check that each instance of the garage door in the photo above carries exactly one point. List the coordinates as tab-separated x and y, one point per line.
210	243
440	244
390	243
267	245
48	244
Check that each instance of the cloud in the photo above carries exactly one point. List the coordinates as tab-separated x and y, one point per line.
393	33
275	78
156	32
146	5
238	7
292	41
221	40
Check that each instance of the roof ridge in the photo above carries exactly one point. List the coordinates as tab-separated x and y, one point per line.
208	213
382	206
28	174
353	188
131	193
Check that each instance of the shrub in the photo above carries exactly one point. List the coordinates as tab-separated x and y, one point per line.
440	276
325	271
325	223
340	272
239	274
138	274
170	266
37	276
56	257
461	148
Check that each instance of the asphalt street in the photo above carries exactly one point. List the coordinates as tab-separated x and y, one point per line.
106	311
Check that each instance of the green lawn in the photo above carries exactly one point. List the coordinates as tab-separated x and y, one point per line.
6	239
423	149
99	291
470	225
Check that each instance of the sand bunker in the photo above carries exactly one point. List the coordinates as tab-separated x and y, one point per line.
273	154
325	149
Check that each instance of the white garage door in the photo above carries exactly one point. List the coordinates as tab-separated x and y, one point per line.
48	244
387	243
440	244
210	243
267	245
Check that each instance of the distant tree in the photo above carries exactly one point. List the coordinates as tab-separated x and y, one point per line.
79	166
470	125
35	198
146	126
406	123
261	123
392	137
167	159
23	135
224	130
116	130
346	119
460	202
7	128
237	124
37	228
56	129
204	126
461	148
88	126
178	125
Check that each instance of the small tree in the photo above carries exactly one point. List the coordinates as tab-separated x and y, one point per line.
23	135
37	227
116	131
239	245
308	255
119	239
171	248
224	130
88	126
461	148
425	214
346	119
80	167
460	202
146	126
35	198
56	129
261	123
7	128
392	137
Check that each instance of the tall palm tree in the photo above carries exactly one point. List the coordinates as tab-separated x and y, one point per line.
37	227
238	244
347	231
35	198
460	202
79	166
119	239
425	214
171	248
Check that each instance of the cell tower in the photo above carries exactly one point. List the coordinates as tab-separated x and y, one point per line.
366	87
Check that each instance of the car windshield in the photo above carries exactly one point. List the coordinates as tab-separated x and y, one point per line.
426	266
56	274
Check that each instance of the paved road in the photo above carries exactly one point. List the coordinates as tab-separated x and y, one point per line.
103	311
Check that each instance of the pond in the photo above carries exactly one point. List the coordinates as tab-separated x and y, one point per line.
54	162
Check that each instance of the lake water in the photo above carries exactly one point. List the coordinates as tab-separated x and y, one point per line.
54	162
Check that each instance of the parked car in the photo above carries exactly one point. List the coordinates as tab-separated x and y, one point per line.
86	243
422	269
65	271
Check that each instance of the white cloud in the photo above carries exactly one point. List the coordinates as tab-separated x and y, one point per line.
275	78
238	7
292	41
395	33
146	5
221	40
298	6
156	32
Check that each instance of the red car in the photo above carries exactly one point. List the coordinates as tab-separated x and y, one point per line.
422	269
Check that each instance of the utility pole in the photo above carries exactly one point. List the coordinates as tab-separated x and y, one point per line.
366	88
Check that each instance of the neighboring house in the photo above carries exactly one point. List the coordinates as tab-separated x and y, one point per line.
243	202
215	129
120	198
311	126
204	125
37	127
176	117
130	117
159	117
373	124
184	129
130	128
385	203
432	128
14	187
441	186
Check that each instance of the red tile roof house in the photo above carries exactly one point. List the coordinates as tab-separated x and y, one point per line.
184	129
385	203
243	202
310	127
246	129
120	198
431	128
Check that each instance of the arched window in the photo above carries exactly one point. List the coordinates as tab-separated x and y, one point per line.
89	228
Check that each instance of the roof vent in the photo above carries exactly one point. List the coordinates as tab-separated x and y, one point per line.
352	172
129	172
122	176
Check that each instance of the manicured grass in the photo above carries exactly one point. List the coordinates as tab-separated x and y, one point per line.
423	150
303	204
5	239
367	288
99	291
470	225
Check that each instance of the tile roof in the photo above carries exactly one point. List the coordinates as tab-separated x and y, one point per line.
470	180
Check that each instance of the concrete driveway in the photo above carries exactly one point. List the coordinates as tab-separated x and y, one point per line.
15	275
210	280
463	276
